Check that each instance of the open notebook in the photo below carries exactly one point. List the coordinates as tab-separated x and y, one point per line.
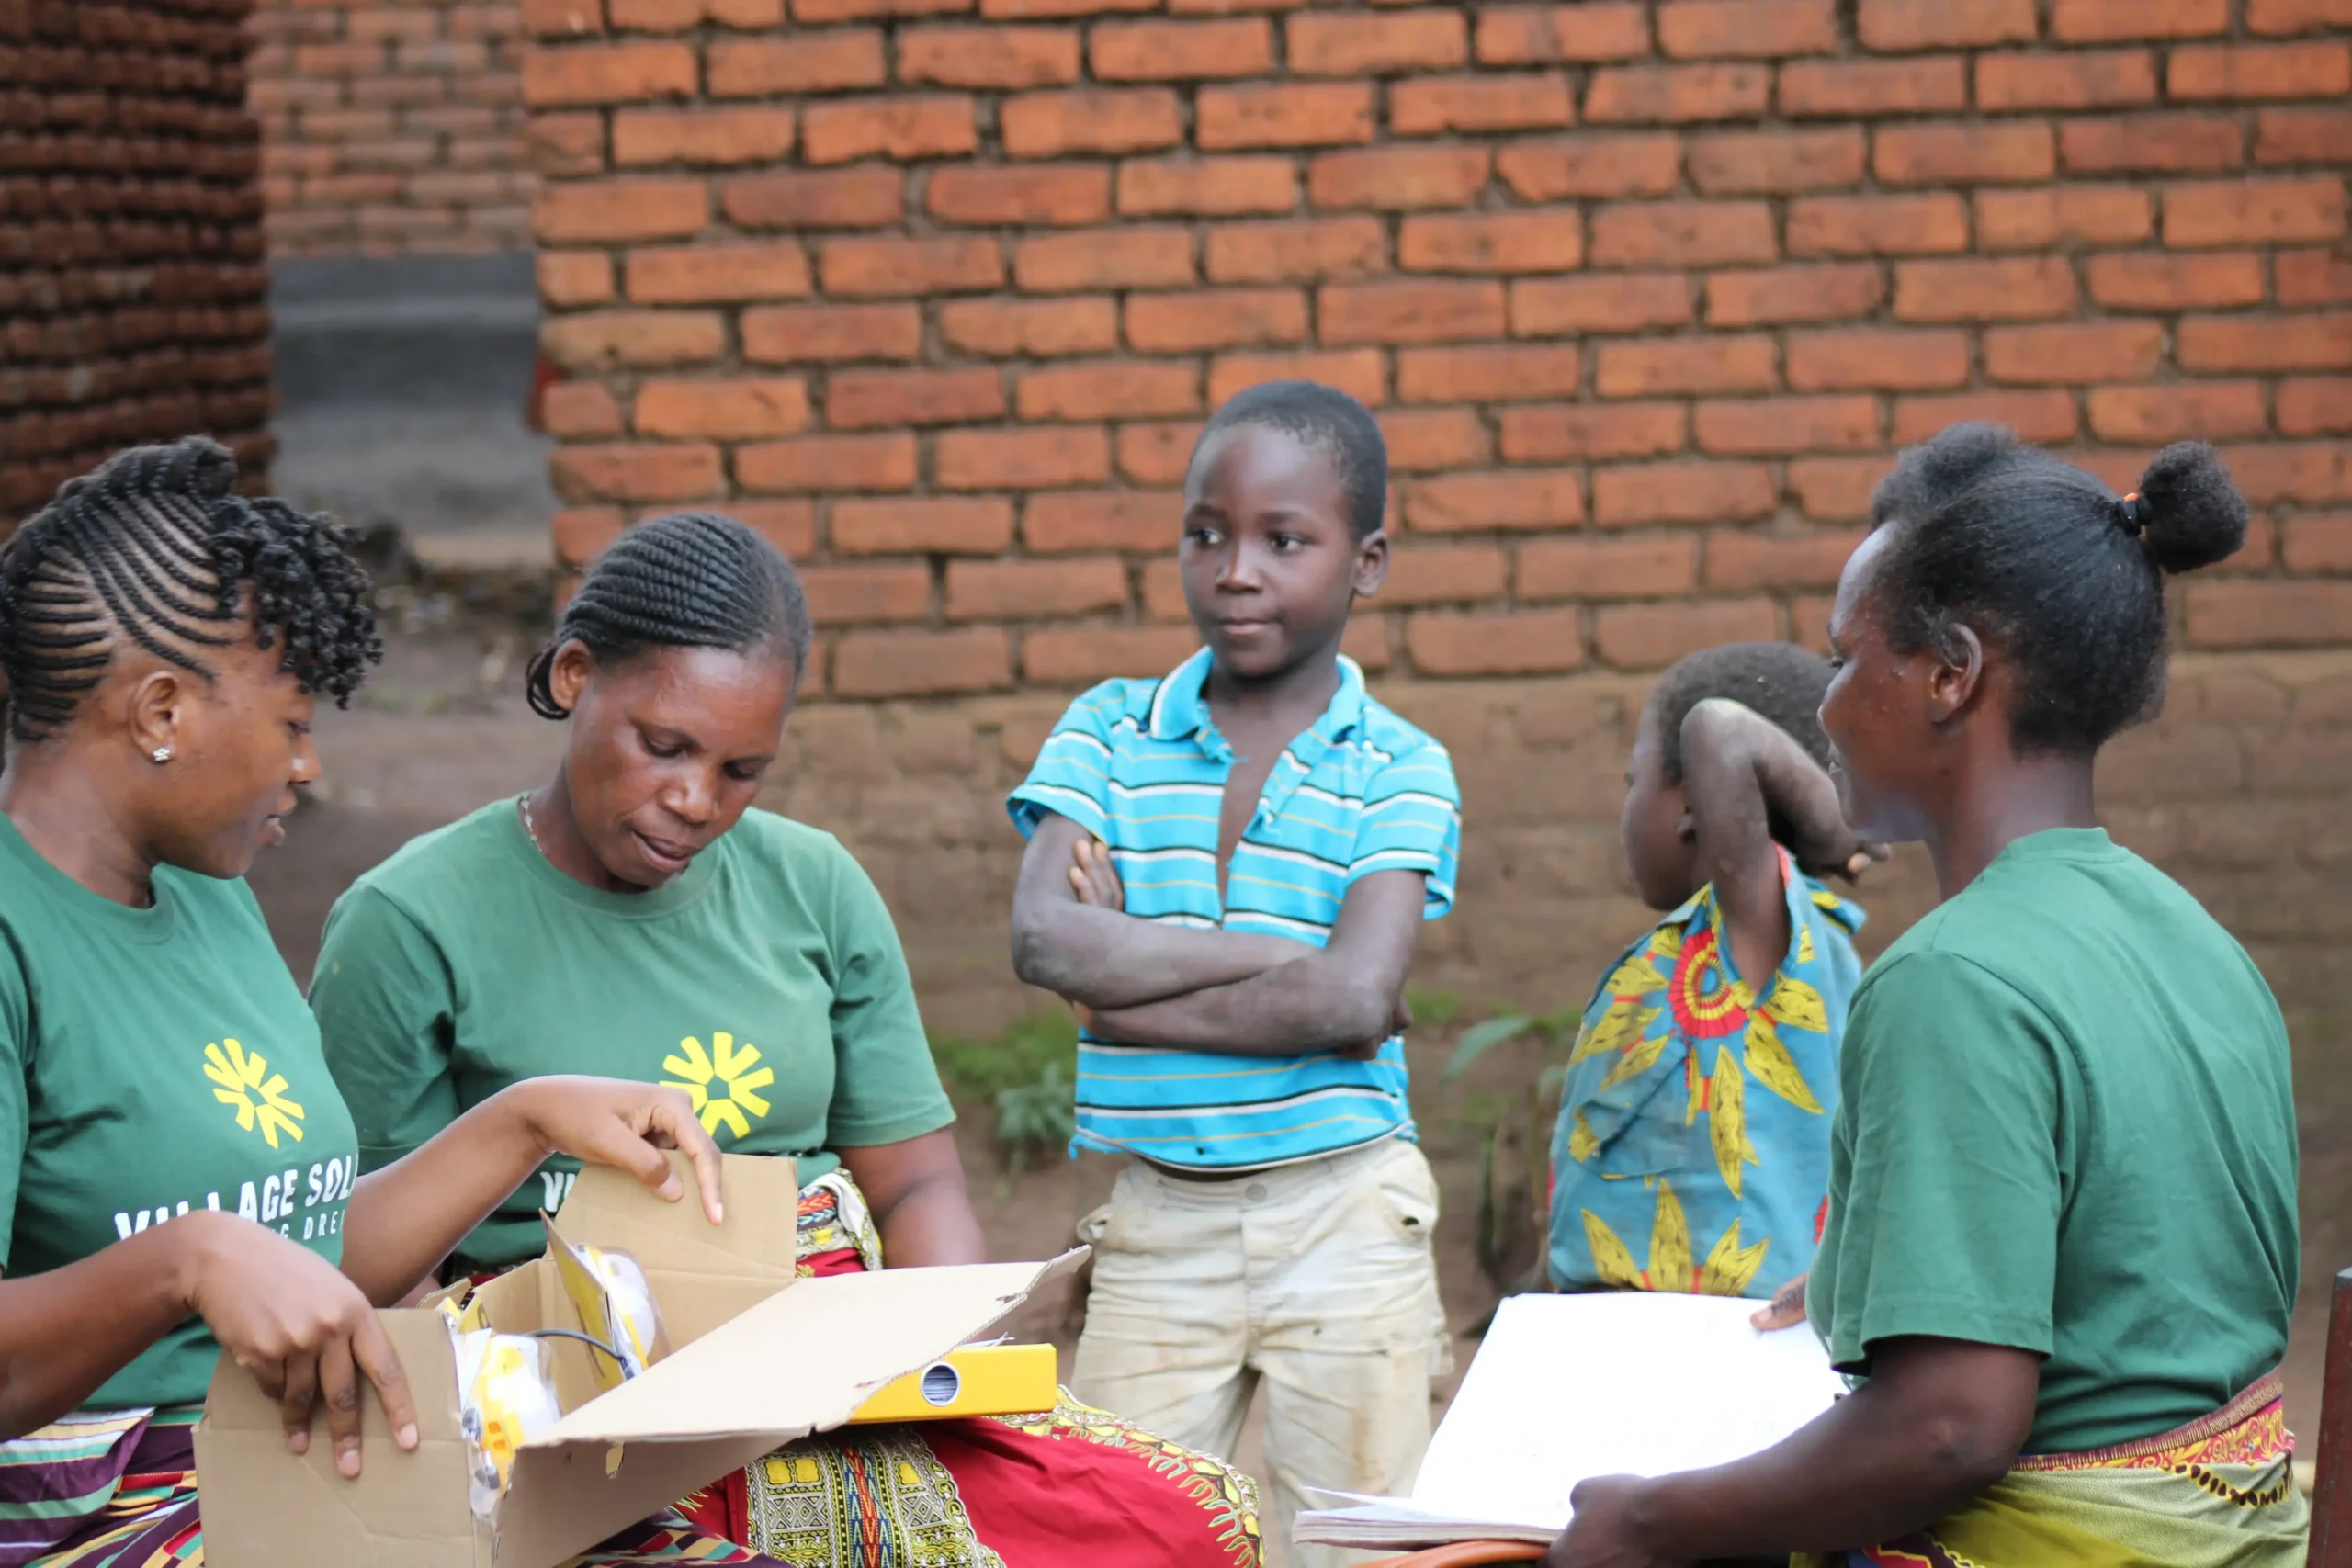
1564	1387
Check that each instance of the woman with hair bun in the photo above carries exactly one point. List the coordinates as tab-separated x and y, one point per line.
2061	1248
636	916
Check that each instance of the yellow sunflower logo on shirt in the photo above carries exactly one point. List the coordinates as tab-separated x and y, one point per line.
243	1082
723	1082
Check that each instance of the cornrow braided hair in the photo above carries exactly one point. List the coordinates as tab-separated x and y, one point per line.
689	579
155	549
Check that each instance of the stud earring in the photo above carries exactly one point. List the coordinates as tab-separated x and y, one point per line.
162	754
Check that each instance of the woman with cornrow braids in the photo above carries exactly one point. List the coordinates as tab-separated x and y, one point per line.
178	1175
636	916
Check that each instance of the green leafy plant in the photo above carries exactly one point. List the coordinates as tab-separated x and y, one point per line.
1514	1147
1025	1077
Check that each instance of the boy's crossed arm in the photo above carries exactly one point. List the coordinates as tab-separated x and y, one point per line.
1145	983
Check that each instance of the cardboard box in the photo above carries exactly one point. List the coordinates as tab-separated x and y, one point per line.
762	1357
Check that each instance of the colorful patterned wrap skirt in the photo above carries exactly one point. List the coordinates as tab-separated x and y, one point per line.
2219	1492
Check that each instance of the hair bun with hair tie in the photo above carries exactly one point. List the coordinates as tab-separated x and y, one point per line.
2131	513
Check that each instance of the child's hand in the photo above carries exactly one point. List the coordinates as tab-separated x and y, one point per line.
1785	1309
1400	1019
1094	879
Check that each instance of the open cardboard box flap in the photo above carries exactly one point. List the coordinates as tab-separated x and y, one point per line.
761	1358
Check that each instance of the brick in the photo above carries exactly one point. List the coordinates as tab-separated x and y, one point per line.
829	463
2064	215
832	199
2155	280
863	399
2220	410
1896	26
1558	307
1681	492
1022	459
1606	569
2318	544
1566	432
2044	418
560	144
1021	328
1061	196
1486	243
2315	405
849	595
1718	364
682	15
1214	187
1864	359
2253	211
824	334
1837	489
723	411
619	211
2264	343
1147	257
1778	561
551	19
1410	312
2074	355
1126	520
1865	89
1159	453
1015	8
706	273
1782	294
1746	29
1647	636
969	526
719	136
608	73
571	279
1476	503
1108	389
2269	615
1444	574
1053	125
808	12
581	533
1671	94
575	409
623	470
2100	21
2024	290
1033	589
2000	153
2152	143
1077	655
901	129
1182	51
1425	441
1500	374
1495	642
1357	372
2313	277
1877	225
995	56
1591	165
1395	178
1297	252
608	340
882	266
1376	43
894	664
1683	233
1290	113
2313	471
827	61
1215	317
1756	427
1433	105
1774	163
1563	34
2302	136
2084	80
2277	17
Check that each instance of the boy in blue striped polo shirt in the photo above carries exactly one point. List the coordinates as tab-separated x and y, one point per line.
1228	871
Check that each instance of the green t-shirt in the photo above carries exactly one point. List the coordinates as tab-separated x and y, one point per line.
153	1061
2068	1127
766	979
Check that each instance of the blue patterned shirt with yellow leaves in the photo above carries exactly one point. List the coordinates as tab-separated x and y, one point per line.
1692	1151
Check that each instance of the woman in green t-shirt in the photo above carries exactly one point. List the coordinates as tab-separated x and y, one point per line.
178	1175
635	916
2061	1246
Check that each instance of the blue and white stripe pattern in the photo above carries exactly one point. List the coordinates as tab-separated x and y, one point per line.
1138	764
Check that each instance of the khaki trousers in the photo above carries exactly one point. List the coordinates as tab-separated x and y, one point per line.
1316	1278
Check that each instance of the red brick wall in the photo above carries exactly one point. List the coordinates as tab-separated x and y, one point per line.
130	246
938	291
392	126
